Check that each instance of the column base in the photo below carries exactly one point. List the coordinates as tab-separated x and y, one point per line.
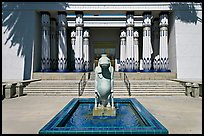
127	70
49	70
87	70
66	70
79	71
163	70
120	70
147	70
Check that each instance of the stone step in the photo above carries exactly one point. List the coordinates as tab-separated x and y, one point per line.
57	90
143	87
142	94
138	87
52	94
144	82
49	87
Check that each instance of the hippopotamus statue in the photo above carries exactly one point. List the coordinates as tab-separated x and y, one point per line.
104	83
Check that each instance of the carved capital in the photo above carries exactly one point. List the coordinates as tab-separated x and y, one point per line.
123	34
136	34
163	20
86	34
147	19
130	21
79	21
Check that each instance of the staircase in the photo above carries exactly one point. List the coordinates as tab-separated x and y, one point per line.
156	87
142	88
53	87
137	87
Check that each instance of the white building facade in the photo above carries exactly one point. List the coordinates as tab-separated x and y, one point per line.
70	37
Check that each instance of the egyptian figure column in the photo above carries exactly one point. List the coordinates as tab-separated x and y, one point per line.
62	42
147	46
73	41
86	50
79	61
136	51
163	51
54	51
45	55
122	50
129	43
156	44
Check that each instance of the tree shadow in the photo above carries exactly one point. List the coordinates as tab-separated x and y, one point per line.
190	14
20	22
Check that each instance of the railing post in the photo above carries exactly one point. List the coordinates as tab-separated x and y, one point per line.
10	90
79	88
127	83
195	90
188	88
19	89
82	84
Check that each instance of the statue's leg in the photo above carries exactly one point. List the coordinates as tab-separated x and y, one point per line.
96	100
112	102
109	98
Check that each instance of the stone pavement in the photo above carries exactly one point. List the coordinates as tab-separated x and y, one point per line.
28	114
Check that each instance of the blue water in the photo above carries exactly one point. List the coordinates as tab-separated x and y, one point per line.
126	116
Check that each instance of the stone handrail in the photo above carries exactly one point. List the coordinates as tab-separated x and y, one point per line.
82	84
127	83
10	89
193	88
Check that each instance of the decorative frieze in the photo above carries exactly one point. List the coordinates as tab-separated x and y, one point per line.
122	50
163	51
129	43
147	46
86	50
79	58
62	42
45	52
136	51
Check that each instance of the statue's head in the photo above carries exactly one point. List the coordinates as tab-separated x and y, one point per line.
104	61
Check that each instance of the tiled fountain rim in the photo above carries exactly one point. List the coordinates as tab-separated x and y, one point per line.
155	126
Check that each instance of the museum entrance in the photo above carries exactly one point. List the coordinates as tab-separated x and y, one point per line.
104	48
104	41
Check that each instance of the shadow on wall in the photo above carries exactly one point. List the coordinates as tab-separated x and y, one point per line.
20	26
190	14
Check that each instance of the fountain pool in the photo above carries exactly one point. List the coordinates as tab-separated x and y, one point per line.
131	118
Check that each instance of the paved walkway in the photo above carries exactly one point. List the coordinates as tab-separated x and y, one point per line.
28	114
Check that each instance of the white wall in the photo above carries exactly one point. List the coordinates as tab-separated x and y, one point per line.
12	66
172	44
20	28
189	47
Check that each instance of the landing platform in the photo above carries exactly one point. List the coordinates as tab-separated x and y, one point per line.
117	75
58	75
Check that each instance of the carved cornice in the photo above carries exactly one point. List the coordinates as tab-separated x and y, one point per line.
119	6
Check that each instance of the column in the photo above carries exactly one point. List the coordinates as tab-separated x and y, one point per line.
147	46
155	40
62	42
79	60
135	51
73	39
86	50
54	51
163	51
129	43
45	54
122	50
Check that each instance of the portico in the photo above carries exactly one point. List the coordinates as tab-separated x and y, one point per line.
135	40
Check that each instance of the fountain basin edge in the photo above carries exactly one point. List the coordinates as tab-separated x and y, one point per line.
66	122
